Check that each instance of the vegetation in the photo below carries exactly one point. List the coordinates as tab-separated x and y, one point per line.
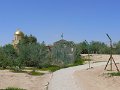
12	88
114	74
63	53
30	53
94	47
51	68
35	73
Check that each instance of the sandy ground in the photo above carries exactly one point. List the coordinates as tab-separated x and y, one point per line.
64	79
100	57
78	78
22	80
96	79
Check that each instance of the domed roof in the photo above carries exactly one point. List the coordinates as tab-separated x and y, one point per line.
19	32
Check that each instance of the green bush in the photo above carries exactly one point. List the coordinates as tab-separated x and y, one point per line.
52	68
76	63
79	62
114	74
35	73
12	88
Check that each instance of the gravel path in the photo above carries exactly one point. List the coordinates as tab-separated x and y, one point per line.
64	80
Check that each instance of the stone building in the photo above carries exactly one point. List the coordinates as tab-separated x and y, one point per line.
18	35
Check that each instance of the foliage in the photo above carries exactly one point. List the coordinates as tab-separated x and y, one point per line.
3	58
82	48
79	62
99	47
28	40
8	56
94	47
114	74
35	73
51	68
13	88
33	55
30	53
10	51
117	47
62	53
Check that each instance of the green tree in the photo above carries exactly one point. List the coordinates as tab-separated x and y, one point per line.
82	48
3	58
28	40
11	54
35	54
99	47
117	47
63	53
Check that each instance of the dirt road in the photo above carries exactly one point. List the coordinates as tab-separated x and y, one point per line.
66	79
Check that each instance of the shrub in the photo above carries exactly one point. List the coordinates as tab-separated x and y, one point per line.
12	88
79	62
35	73
114	74
52	68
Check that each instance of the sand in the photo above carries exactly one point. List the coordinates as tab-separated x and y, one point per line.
97	78
23	80
101	57
78	78
64	79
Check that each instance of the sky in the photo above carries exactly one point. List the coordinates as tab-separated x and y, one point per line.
79	20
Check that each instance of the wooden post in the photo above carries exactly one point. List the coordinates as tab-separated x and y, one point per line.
111	57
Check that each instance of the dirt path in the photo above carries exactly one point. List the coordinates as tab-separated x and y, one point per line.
64	79
68	79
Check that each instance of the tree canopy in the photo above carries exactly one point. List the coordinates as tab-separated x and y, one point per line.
30	53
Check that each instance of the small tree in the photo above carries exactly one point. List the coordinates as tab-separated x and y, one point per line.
3	59
63	53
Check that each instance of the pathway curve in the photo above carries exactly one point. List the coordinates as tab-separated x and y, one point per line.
64	80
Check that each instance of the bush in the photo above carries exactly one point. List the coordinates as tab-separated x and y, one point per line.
114	74
12	88
52	68
79	62
35	73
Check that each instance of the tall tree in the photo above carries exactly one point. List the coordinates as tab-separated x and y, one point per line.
28	40
63	52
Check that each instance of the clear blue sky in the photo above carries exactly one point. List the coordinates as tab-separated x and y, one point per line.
47	19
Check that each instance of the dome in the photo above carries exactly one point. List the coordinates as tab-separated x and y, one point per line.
18	33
